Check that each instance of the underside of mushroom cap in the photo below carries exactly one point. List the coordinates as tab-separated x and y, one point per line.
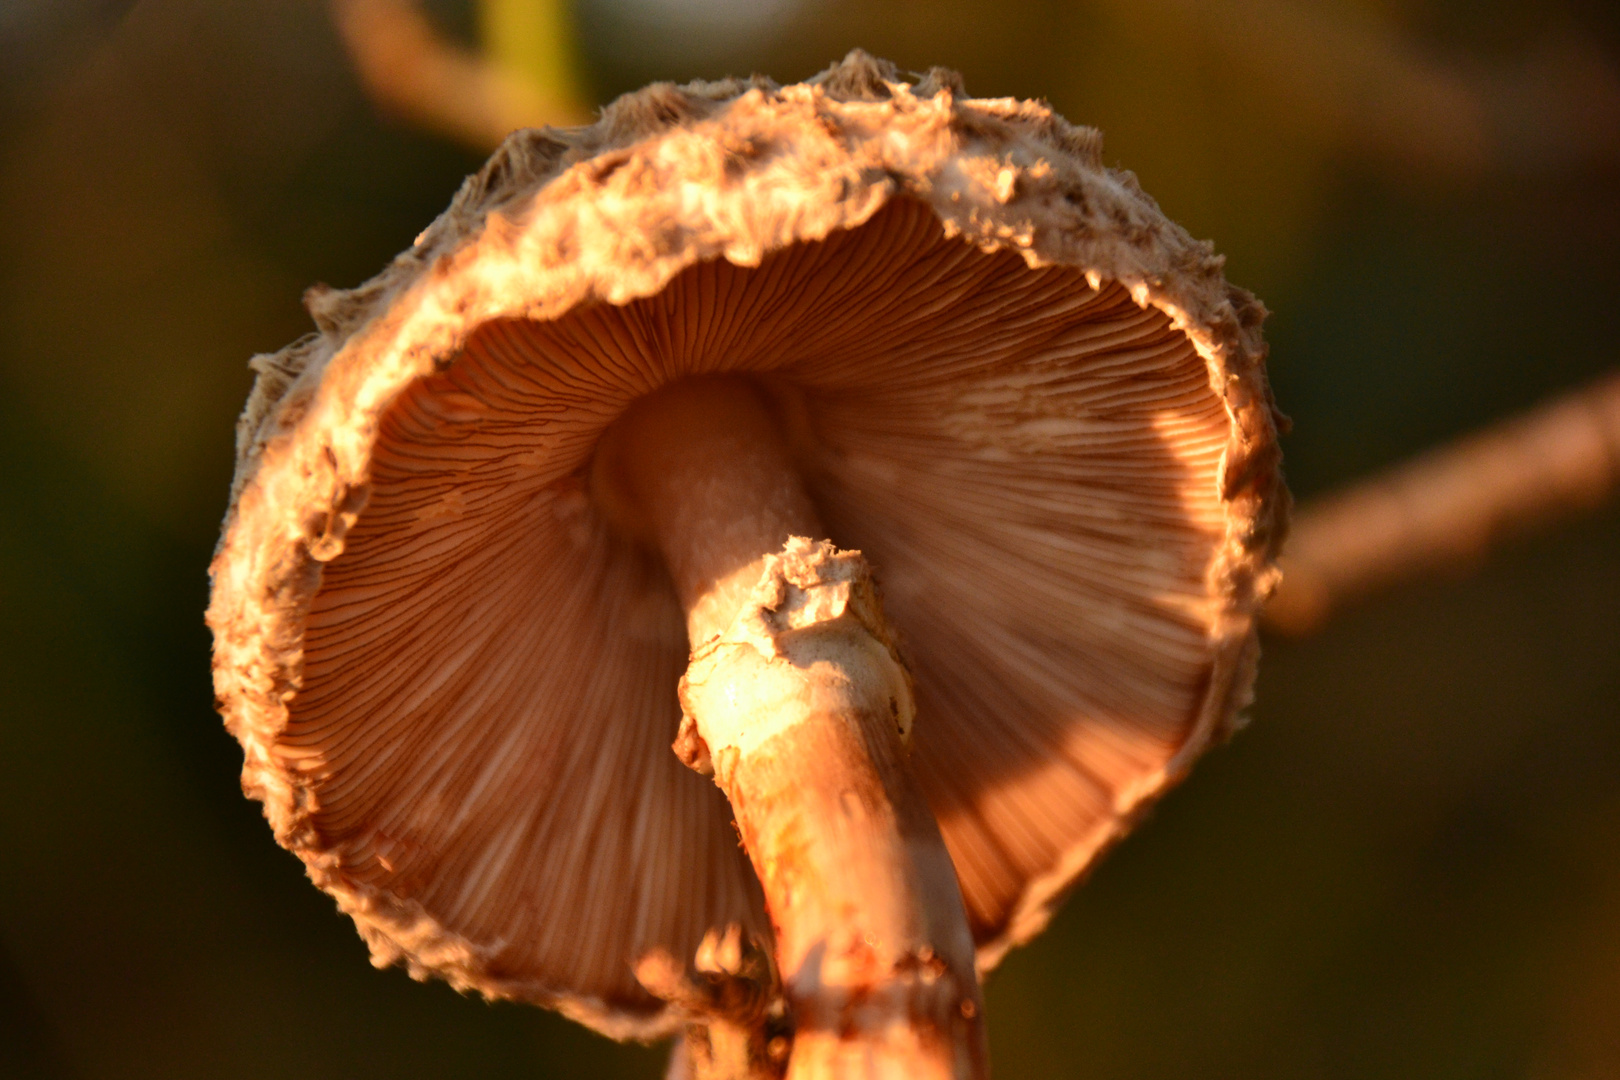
1029	398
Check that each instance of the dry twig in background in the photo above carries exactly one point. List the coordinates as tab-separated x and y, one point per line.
410	69
1443	510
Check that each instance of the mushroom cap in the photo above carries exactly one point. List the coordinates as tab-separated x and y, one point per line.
1026	395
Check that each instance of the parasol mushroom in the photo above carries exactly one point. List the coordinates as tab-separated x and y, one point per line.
677	392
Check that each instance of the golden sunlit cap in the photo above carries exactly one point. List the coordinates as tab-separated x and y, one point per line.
1030	399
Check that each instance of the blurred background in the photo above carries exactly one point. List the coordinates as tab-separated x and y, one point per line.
1408	865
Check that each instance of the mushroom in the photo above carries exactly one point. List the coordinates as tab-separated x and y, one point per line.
940	462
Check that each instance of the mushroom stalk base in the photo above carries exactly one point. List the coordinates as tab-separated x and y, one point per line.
803	712
798	705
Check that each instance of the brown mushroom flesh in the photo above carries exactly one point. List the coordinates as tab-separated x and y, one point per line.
993	368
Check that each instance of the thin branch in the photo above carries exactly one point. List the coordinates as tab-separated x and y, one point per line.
1444	510
409	68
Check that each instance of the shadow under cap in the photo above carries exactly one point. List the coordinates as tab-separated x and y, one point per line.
1032	400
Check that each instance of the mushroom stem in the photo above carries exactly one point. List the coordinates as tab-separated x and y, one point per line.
796	701
699	472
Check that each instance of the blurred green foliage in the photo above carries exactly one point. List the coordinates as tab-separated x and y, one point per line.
1408	866
536	38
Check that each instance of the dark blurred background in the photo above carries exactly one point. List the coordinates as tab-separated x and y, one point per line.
1408	865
